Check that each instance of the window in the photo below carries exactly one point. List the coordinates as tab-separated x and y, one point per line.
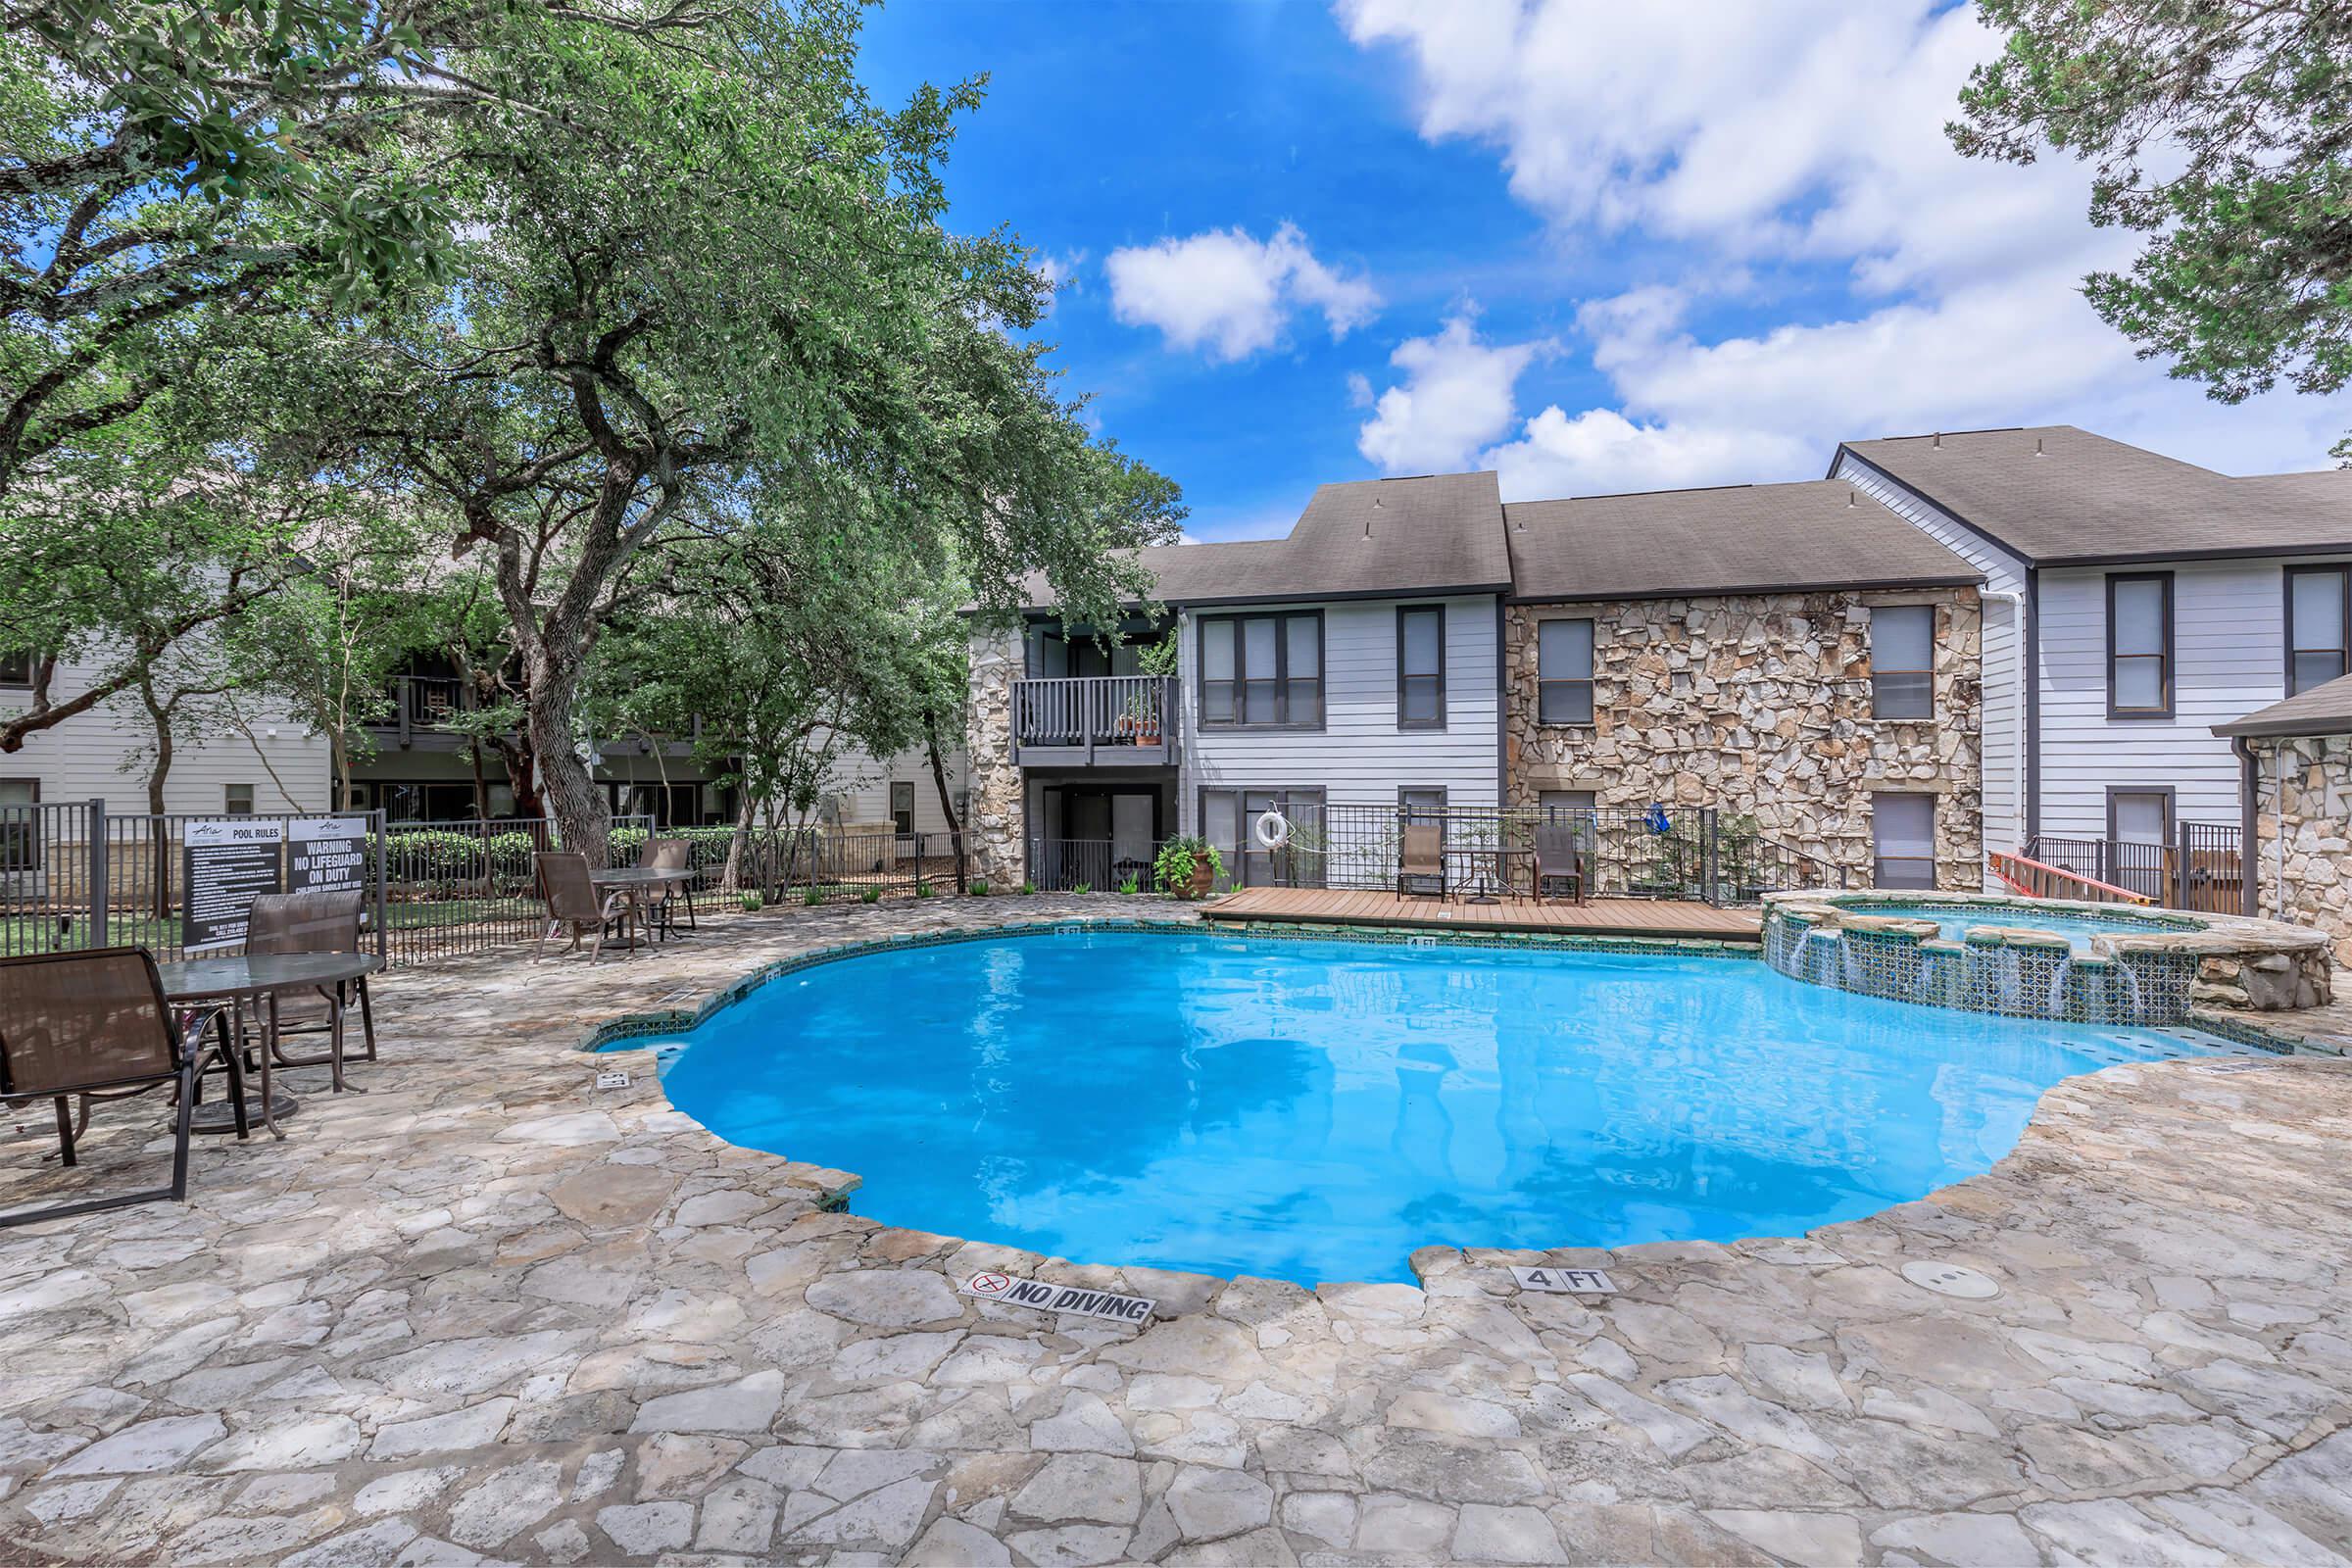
901	807
2319	625
1902	831
1229	819
237	800
1559	803
1263	671
16	668
1902	661
1564	672
2139	645
20	825
2139	815
1421	804
1421	667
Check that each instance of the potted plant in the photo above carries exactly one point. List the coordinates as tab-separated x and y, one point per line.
1188	868
1143	717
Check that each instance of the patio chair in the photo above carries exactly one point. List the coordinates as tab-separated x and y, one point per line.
668	855
572	901
319	921
1422	857
95	1024
1560	858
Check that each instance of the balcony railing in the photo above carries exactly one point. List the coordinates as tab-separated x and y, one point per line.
424	703
1095	721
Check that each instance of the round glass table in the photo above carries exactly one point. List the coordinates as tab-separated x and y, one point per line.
257	978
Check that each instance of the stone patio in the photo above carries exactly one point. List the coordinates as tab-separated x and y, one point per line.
487	1311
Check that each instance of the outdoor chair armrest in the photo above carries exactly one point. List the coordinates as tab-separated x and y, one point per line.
198	1021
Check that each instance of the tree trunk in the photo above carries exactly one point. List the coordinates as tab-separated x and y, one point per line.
159	831
481	782
570	788
947	804
731	879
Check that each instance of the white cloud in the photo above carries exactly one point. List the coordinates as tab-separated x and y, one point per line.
1227	292
1457	395
1804	131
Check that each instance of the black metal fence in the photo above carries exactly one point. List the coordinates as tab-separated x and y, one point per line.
812	864
1686	853
2199	870
1091	865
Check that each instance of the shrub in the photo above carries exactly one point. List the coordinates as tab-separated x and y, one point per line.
813	897
979	888
871	896
1131	885
754	901
1028	886
1180	857
924	890
1083	886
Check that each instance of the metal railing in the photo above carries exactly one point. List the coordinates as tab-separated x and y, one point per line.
2199	870
816	864
1128	718
1686	853
1088	865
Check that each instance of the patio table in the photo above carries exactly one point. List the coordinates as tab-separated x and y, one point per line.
634	881
253	977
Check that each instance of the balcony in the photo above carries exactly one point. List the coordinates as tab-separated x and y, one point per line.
1095	721
424	706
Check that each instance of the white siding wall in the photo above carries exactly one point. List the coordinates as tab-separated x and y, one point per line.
1360	757
2003	646
2229	638
863	784
84	757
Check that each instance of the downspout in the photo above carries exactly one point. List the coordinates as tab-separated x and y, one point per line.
2032	661
2016	600
2249	852
2278	844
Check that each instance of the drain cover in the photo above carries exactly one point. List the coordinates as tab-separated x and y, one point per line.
1951	1279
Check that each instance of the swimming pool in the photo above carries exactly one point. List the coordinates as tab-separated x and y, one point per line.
1316	1111
1956	922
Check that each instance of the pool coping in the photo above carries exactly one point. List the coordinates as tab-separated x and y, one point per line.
609	1035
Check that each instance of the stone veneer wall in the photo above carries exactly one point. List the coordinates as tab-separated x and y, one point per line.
2312	806
1759	705
992	824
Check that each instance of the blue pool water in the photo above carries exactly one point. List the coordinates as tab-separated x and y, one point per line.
2077	929
1316	1111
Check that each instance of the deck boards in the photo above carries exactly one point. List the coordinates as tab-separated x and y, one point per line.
1600	918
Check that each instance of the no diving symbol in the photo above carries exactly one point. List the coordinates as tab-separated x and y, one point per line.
990	1284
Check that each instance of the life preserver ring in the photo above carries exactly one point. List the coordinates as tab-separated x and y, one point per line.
1272	830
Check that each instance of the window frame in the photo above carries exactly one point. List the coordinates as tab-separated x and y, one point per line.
896	785
2342	573
1879	857
1877	669
2165	792
1589	681
31	836
1420	725
1282	671
32	669
1238	863
2164	579
253	800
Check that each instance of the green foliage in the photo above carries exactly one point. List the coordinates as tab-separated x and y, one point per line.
1163	658
979	888
752	900
1027	888
924	890
1180	857
813	897
1082	887
2219	132
1130	885
871	896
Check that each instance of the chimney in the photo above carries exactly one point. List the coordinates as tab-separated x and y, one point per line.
1940	440
1849	499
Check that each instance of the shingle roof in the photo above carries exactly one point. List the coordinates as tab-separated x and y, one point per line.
2061	496
1742	538
1438	533
2322	711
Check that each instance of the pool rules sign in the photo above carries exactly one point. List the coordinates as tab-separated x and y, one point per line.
224	864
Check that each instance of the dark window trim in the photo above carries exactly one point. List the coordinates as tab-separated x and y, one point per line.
1241	792
1282	677
2166	579
1876	669
1587	681
896	785
1421	724
2172	801
32	669
2341	571
25	854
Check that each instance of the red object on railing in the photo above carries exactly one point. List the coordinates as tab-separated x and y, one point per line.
2038	880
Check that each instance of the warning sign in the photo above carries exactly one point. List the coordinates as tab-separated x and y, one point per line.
1060	1298
326	852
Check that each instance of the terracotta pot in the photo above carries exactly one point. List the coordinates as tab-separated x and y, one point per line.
1202	880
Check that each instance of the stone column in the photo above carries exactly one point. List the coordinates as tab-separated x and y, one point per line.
997	818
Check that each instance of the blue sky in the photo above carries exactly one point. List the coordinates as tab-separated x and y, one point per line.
1595	248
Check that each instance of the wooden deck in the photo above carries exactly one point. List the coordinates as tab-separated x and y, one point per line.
1645	917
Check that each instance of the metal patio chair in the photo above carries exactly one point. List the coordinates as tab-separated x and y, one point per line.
318	920
668	855
1560	858
1422	857
95	1025
572	901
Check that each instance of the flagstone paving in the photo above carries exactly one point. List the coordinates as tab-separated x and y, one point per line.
487	1311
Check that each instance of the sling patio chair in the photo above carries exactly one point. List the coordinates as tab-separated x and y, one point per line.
572	901
668	855
1560	858
1422	857
95	1024
318	920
